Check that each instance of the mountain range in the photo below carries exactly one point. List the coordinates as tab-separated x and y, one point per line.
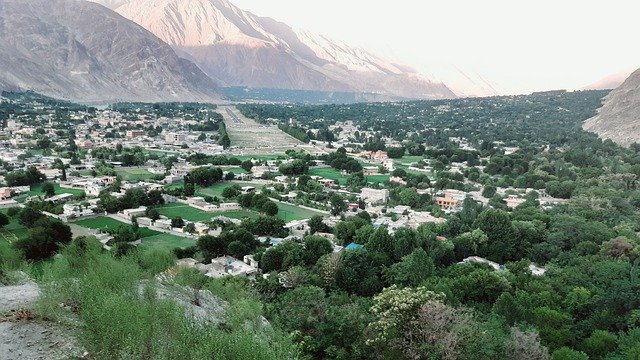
238	48
83	51
619	117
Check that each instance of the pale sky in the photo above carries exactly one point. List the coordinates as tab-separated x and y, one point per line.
520	46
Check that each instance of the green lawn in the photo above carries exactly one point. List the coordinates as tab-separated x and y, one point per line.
289	212
333	174
192	214
184	211
12	231
329	173
107	223
217	189
408	160
260	157
168	241
135	174
36	190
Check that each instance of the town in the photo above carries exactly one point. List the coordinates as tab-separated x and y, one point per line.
293	207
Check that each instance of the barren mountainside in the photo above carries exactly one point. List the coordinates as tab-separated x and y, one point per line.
238	48
619	117
83	51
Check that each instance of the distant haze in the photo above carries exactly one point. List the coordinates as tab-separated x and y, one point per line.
518	47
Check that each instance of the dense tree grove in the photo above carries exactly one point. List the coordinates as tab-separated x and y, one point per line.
585	306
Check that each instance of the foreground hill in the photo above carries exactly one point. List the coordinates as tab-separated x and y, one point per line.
619	117
83	51
237	48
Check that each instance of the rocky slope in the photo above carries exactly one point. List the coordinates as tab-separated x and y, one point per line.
83	51
610	82
619	117
238	48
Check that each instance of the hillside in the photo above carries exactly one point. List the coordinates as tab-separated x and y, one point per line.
619	117
238	48
86	52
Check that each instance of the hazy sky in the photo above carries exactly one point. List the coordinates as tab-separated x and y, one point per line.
521	46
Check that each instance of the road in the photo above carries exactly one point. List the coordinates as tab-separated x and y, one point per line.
234	117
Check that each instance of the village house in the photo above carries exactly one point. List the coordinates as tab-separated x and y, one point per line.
5	193
451	200
374	196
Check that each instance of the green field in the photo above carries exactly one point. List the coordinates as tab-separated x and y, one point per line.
289	212
36	190
107	223
192	214
329	173
234	169
12	231
333	174
408	160
167	241
135	174
260	157
217	189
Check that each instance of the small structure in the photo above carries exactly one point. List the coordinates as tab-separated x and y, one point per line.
5	193
353	246
374	195
229	266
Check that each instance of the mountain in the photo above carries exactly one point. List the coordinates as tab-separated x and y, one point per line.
609	82
238	48
83	51
619	118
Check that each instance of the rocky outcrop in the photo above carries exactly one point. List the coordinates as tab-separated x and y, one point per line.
619	117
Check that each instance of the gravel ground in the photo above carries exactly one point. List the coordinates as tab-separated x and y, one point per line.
23	336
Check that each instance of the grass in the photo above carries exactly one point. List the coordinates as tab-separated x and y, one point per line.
329	173
333	174
36	190
288	212
136	174
408	160
167	241
217	189
12	231
192	214
107	223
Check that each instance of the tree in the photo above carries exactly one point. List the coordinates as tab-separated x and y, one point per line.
49	189
190	228
316	224
526	345
153	214
44	239
231	192
359	273
177	222
412	270
315	247
565	353
489	191
496	224
4	220
338	206
211	247
247	165
270	208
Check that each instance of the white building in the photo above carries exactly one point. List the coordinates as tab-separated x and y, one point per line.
374	195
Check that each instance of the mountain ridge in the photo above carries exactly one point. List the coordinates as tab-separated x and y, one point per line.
238	48
619	117
85	52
